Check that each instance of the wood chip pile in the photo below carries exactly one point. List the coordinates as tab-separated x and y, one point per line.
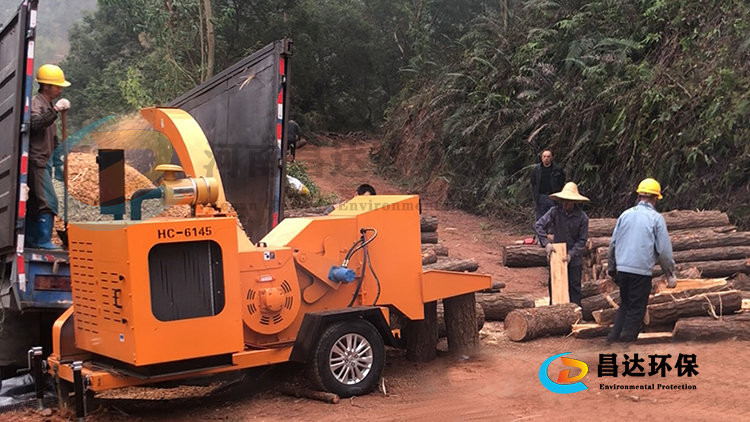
83	194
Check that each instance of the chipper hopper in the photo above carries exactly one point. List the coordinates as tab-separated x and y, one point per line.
166	299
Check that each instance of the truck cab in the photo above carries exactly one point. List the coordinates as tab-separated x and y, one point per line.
242	111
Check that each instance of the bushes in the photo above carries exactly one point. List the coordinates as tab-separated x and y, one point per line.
619	91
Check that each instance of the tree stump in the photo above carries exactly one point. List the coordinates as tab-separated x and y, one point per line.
528	324
461	324
421	336
442	332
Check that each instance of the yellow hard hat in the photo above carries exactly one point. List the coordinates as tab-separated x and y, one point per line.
51	75
650	187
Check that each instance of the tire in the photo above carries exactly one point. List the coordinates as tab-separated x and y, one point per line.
328	369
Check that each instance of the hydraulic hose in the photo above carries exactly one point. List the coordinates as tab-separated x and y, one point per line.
138	197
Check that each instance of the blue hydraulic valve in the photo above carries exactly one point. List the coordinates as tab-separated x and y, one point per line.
341	274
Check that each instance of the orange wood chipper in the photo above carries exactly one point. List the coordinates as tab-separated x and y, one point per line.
165	299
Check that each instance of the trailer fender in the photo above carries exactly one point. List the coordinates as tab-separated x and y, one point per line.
314	323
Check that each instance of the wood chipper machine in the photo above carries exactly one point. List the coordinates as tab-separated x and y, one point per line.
165	299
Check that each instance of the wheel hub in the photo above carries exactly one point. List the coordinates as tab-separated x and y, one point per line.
351	359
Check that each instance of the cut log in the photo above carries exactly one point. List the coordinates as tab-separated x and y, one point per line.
440	250
686	288
712	269
528	324
594	243
601	226
708	304
699	239
687	219
497	306
429	237
712	254
421	335
595	303
454	264
496	287
429	257
461	324
428	223
442	333
741	282
519	256
584	331
676	220
303	393
593	287
706	328
707	230
605	316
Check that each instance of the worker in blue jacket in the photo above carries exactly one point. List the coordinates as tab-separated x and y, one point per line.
639	240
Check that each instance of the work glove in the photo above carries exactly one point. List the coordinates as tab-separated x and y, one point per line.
549	249
672	281
567	258
62	105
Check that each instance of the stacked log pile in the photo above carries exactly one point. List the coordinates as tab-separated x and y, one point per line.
704	243
705	309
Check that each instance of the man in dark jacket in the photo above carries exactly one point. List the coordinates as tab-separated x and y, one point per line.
546	178
43	141
571	226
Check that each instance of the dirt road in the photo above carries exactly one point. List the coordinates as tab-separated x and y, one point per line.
501	383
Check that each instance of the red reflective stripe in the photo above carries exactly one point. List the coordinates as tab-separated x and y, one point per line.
24	164
275	219
30	66
19	260
22	209
281	66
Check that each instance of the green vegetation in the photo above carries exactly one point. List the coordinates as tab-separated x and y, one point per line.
618	90
316	198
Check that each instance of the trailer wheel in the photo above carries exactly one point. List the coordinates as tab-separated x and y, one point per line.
348	359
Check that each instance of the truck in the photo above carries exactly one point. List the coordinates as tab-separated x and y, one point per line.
243	111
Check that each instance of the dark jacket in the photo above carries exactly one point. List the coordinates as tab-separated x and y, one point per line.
43	138
571	229
558	180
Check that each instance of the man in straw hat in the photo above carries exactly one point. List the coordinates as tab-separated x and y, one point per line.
639	239
571	226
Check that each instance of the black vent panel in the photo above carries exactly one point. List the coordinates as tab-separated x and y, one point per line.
187	280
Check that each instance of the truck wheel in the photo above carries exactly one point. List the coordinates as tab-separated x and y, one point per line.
348	359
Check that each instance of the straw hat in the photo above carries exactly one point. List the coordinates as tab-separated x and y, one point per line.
569	193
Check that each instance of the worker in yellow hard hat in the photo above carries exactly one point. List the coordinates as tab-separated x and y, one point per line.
43	141
570	225
639	240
